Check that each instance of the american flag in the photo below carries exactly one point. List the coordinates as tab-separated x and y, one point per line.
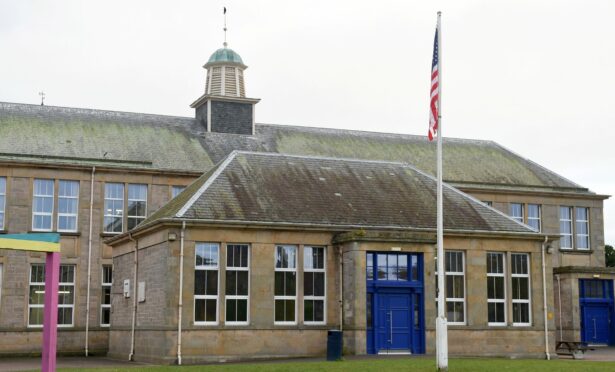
435	91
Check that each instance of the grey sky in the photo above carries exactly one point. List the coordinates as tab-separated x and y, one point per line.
535	76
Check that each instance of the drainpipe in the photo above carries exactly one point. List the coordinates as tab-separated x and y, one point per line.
544	297
559	298
180	304
341	289
87	300
134	296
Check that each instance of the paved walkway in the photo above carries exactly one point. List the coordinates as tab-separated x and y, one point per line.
601	354
29	364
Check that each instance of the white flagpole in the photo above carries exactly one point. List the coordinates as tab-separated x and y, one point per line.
441	327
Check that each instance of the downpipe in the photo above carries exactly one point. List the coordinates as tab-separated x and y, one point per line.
180	304
134	296
89	278
544	297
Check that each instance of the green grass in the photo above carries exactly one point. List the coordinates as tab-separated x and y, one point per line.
388	365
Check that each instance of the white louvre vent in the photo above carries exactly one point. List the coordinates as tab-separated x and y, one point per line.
216	81
242	89
230	82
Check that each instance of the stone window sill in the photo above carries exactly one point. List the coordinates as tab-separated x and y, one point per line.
576	251
62	233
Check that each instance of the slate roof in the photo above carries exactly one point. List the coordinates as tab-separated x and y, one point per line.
61	135
271	188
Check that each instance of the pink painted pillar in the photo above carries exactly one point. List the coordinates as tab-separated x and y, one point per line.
50	318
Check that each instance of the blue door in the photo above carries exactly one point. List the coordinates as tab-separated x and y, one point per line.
596	324
394	303
393	330
596	303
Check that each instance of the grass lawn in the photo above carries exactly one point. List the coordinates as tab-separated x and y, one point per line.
389	365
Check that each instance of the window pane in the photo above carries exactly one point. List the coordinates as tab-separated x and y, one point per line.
290	284
516	211
308	284
242	310
370	266
211	282
279	284
175	190
402	262
35	316
210	310
392	267
319	284
382	266
290	310
415	267
286	257
319	311
308	310
521	313
199	282
231	310
279	310
231	282
242	283
199	310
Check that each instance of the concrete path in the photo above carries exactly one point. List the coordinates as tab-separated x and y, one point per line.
601	354
34	364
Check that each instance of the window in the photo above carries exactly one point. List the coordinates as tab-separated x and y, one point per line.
114	207
520	275
582	228
206	283
392	266
516	211
285	292
237	283
533	216
455	287
137	204
66	295
175	190
314	284
565	227
68	205
2	200
105	301
489	203
496	289
42	205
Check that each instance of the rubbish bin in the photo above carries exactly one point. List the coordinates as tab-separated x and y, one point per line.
334	345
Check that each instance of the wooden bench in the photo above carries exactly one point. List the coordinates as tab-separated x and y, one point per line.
573	348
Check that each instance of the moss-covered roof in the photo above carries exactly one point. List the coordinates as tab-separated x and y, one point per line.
60	135
271	188
94	137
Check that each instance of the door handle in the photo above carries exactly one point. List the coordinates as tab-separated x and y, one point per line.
391	327
595	335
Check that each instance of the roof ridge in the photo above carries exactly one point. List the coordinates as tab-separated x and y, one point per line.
85	109
205	186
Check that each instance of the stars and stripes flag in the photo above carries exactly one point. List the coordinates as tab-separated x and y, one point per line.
435	91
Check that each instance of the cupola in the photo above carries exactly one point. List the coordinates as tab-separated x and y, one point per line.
224	107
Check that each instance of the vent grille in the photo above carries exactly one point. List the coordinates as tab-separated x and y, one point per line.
230	82
242	89
216	81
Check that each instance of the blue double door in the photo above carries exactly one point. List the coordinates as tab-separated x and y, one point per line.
597	311
395	309
397	324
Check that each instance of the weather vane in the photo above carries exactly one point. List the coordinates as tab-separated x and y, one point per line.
42	94
225	43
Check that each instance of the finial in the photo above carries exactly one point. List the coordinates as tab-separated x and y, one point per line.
225	43
42	94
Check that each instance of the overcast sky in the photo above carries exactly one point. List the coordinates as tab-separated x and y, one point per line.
534	76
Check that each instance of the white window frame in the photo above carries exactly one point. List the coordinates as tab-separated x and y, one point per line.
316	298
68	306
517	218
3	182
40	306
497	300
206	296
238	297
76	214
285	269
114	216
576	230
104	285
140	218
30	284
570	223
539	218
529	290
34	196
457	299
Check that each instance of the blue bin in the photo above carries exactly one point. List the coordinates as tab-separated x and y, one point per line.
334	345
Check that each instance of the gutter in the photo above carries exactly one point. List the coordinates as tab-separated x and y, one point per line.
134	296
544	297
180	304
89	279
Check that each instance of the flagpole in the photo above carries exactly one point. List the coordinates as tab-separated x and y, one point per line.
441	326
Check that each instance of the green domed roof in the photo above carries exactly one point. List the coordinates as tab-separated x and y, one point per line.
225	55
